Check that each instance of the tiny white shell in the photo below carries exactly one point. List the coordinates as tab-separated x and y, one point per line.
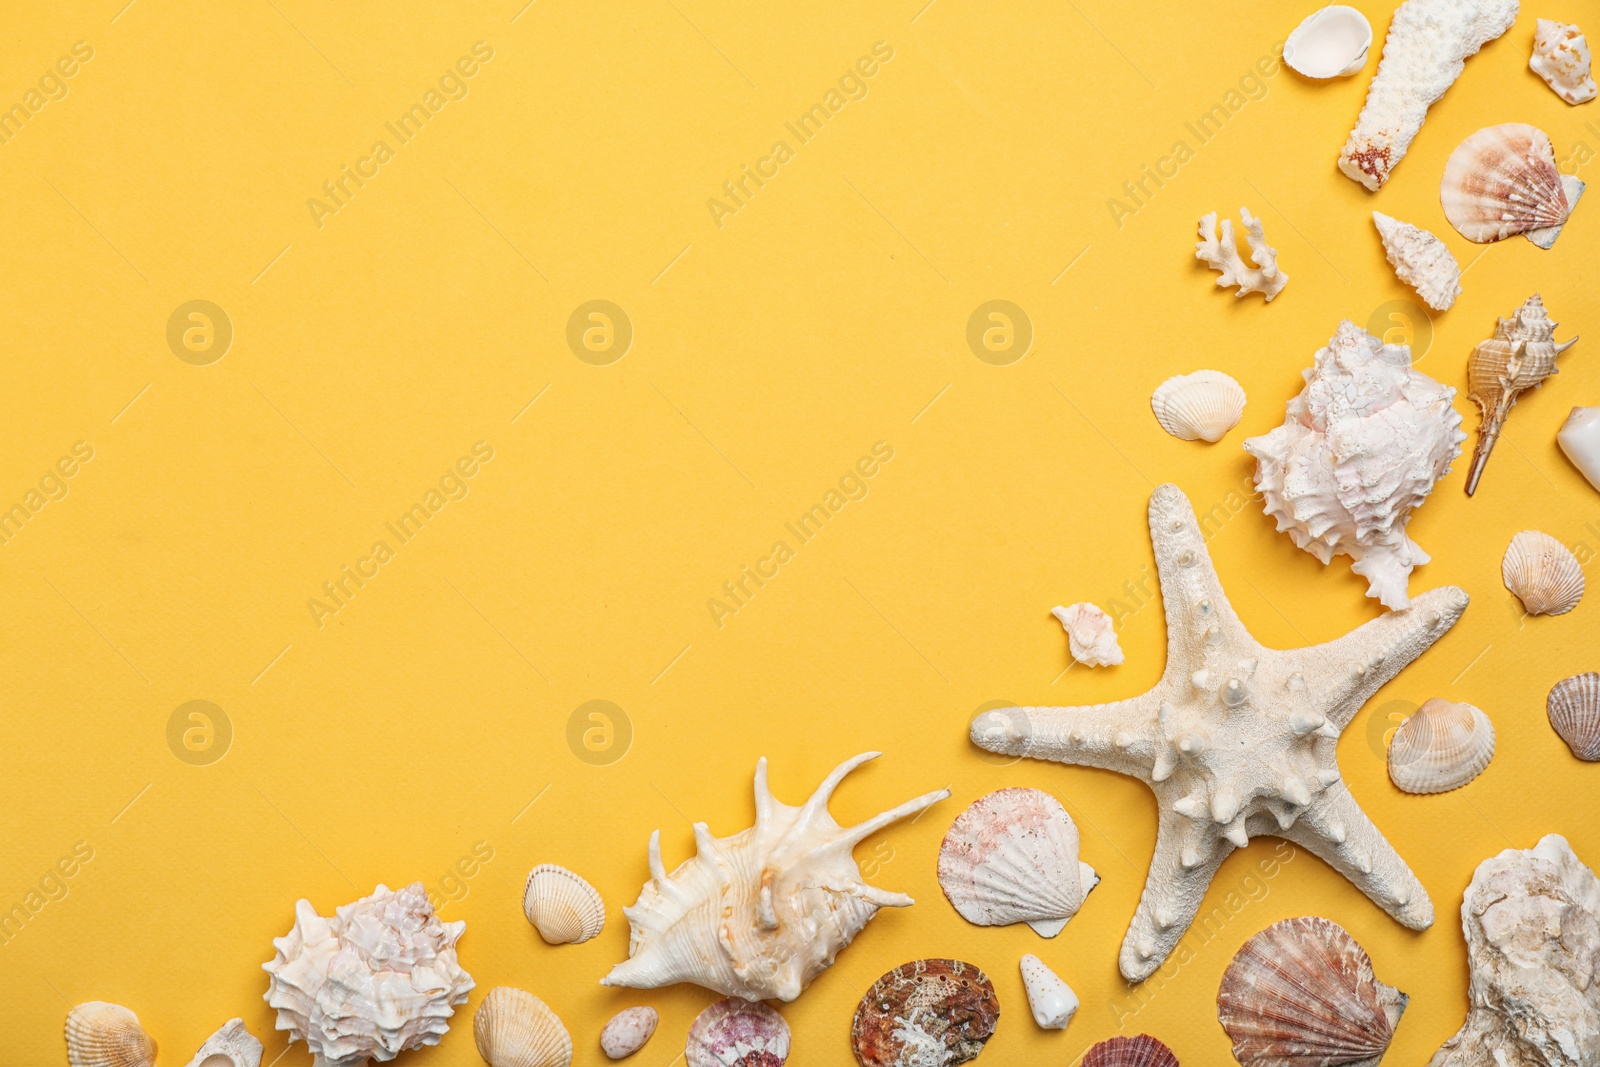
1198	407
107	1035
1579	438
565	909
1441	747
1543	573
231	1046
1051	1000
1091	637
514	1028
1330	43
628	1031
1574	710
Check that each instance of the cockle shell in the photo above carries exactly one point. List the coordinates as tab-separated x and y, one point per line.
1141	1050
1222	255
933	1011
1579	438
1574	710
1502	181
1520	356
1420	260
1013	857
1329	43
1441	747
1426	50
1301	993
759	914
1360	449
737	1033
1198	407
230	1046
514	1028
1091	636
1051	1000
1561	58
107	1035
565	909
628	1031
1542	573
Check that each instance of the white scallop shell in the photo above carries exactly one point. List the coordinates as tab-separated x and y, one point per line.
628	1031
1329	43
1574	710
107	1035
1441	747
514	1028
1420	260
231	1046
1091	636
1543	573
1502	181
1013	857
565	909
737	1033
1051	1000
1198	407
1561	57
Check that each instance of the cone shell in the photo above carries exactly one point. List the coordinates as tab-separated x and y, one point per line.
1503	181
1543	573
737	1033
1301	993
516	1029
1574	710
926	1011
628	1031
564	908
1198	407
1441	747
1050	999
1140	1051
107	1035
1420	260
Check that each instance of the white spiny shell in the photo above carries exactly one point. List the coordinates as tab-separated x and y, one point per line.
565	909
1198	407
514	1028
1360	449
759	914
1561	58
107	1035
1441	747
1012	857
1091	637
1502	181
1222	255
1420	260
1579	438
737	1033
1051	1000
1543	573
628	1031
1329	43
376	979
1426	50
1574	710
230	1046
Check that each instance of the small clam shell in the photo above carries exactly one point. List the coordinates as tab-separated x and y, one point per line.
1139	1051
935	1011
564	908
737	1033
1198	407
107	1035
1543	573
514	1028
230	1046
1574	710
1330	43
1051	1000
1441	747
628	1031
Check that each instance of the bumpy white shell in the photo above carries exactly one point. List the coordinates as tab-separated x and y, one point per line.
1542	573
1360	450
565	909
376	979
1420	260
1443	746
1091	636
1012	857
514	1028
1222	255
737	1033
1579	438
230	1046
1574	710
1426	50
1051	1000
759	914
1198	407
1329	43
107	1035
1561	58
1503	180
628	1031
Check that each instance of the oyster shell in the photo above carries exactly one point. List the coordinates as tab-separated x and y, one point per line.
1051	1000
1520	356
933	1011
1091	637
1441	747
1579	438
1502	181
1420	260
1301	993
628	1031
1574	710
231	1046
100	1034
1198	407
1542	573
737	1033
1222	255
565	909
1561	58
1329	43
514	1028
1141	1050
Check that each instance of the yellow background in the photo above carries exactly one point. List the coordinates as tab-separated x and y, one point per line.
827	314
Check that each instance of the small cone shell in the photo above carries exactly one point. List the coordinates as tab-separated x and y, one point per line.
1441	747
1543	573
564	908
107	1035
1051	1000
514	1028
1574	710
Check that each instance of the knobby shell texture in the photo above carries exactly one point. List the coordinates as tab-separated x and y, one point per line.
1222	255
933	1011
1091	636
1574	710
1420	260
1520	356
231	1046
1441	747
737	1033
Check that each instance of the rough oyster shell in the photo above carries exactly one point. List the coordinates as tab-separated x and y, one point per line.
1579	438
628	1031
1441	747
1329	43
514	1028
1502	181
231	1046
936	1011
1561	57
737	1033
1222	255
1050	999
1198	407
1542	573
1574	710
1519	357
565	909
1091	637
1420	260
100	1034
1142	1050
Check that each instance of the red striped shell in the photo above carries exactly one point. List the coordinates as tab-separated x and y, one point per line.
1140	1051
1503	181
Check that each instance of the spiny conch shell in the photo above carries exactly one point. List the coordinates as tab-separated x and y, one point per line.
565	909
107	1035
1574	710
1579	438
514	1028
1329	43
1426	50
1221	254
378	978
1502	181
628	1031
1520	356
1139	1051
1198	407
759	914
1013	857
737	1033
1542	573
1360	449
1051	1000
1420	260
1301	993
1091	637
231	1046
1441	747
1561	58
933	1011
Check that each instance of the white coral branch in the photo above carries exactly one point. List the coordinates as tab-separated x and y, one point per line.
1222	255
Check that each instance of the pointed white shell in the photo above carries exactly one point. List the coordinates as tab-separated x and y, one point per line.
1420	260
1221	254
565	909
1051	1000
1543	573
1579	438
1091	637
628	1031
1441	747
1574	710
230	1046
1329	43
1198	407
100	1034
737	1033
514	1028
1561	57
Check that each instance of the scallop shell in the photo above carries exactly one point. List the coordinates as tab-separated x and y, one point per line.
1543	573
1503	181
231	1046
932	1011
1198	407
1330	43
1139	1051
737	1033
1050	999
514	1028
1013	857
1574	710
1441	747
1301	993
107	1035
1091	635
564	908
628	1031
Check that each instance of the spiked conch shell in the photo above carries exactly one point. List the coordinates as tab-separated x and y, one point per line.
107	1035
1561	58
1520	356
1503	180
759	914
1420	260
1222	255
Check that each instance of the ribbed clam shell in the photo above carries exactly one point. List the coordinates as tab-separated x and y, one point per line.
564	908
737	1033
514	1028
107	1035
1503	181
628	1031
1543	573
1198	407
937	1011
1574	710
1013	857
1441	747
1301	993
1139	1051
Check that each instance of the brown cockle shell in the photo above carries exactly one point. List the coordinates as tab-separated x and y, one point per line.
1140	1051
1574	710
1520	356
926	1011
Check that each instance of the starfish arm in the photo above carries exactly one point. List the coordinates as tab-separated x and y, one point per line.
1172	892
1120	736
1191	593
1336	830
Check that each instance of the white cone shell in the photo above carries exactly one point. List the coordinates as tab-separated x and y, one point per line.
1198	407
1420	260
1051	1000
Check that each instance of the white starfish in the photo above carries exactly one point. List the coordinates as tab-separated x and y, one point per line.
1236	740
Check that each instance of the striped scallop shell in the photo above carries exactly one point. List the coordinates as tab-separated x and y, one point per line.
1198	407
1503	181
737	1033
1574	710
1441	747
564	908
1140	1051
514	1028
1301	993
1543	573
107	1035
